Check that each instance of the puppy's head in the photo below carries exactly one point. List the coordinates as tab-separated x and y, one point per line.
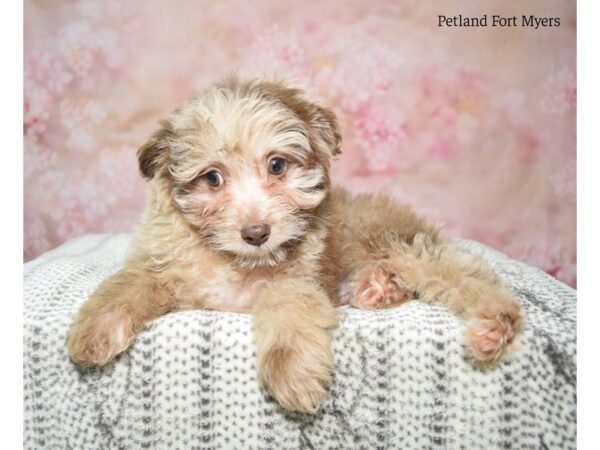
247	165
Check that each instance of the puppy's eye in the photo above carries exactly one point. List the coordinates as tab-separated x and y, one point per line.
213	178
276	166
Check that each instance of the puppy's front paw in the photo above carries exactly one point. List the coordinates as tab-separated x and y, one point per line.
377	287
95	340
297	375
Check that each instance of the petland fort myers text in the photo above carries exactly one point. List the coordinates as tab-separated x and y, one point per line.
498	21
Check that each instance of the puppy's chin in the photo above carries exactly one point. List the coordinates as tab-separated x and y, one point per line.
251	257
257	259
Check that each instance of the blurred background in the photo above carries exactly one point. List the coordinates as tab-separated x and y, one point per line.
473	127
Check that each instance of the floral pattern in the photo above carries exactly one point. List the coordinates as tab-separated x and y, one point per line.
473	127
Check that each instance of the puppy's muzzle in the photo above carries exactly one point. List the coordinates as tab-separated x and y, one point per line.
256	234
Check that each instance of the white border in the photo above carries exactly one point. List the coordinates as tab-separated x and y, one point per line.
11	221
588	223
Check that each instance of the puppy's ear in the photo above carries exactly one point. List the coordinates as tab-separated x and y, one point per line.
154	153
326	136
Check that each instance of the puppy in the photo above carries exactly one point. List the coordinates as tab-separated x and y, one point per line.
241	217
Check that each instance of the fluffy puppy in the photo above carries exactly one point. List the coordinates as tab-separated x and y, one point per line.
241	217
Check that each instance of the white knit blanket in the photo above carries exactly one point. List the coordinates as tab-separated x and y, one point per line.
189	381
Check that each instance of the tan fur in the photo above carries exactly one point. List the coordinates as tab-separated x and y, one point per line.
116	313
293	318
325	247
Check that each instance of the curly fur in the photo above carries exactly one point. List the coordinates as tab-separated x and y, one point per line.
325	247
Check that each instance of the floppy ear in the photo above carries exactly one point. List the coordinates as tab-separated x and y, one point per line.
325	136
154	153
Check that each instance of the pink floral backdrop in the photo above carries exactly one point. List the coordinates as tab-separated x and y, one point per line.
474	127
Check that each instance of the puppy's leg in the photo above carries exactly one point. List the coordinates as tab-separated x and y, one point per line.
435	272
115	313
292	324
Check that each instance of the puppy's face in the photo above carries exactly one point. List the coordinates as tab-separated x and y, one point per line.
247	165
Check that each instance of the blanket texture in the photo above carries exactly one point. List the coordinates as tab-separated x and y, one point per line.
402	379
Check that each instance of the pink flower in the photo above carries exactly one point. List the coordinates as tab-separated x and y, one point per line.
35	237
443	148
76	44
37	157
36	107
48	70
558	93
379	135
275	52
564	182
364	70
80	117
73	224
471	146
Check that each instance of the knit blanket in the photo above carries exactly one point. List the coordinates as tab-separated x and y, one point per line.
189	381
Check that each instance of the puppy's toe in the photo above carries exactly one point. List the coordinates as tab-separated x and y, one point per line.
298	376
95	341
378	287
488	338
302	395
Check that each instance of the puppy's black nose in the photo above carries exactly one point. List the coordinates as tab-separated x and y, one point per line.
256	234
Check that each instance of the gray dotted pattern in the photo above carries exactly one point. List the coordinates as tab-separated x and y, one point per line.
402	379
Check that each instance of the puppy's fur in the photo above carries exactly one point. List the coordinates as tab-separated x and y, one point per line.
214	171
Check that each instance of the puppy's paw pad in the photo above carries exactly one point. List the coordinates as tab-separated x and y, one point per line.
488	337
379	288
94	342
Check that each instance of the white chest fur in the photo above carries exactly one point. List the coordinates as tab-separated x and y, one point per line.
229	290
